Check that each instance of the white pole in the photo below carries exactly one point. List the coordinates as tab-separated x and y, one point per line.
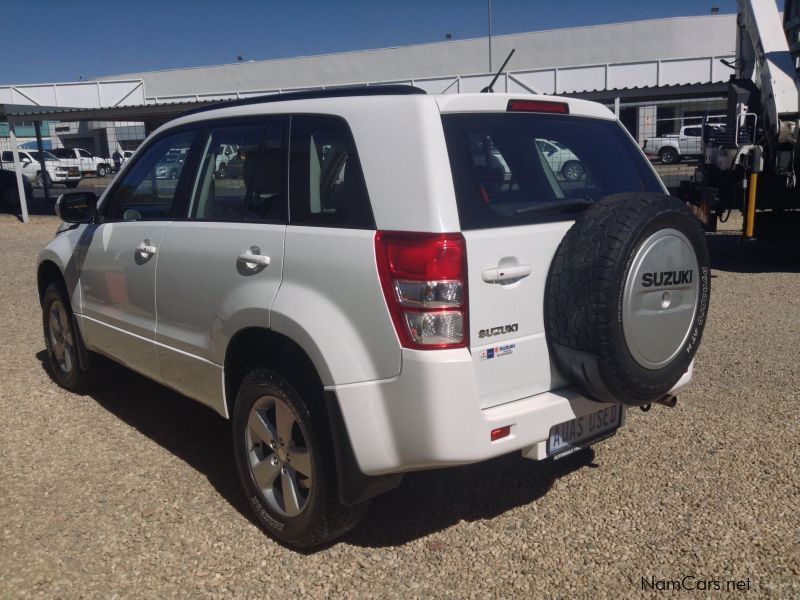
491	70
23	201
616	107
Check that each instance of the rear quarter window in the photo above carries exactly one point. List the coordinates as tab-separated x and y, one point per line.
512	169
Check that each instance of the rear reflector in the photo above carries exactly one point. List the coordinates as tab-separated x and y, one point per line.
540	106
500	432
424	280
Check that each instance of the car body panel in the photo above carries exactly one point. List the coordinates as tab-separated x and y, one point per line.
118	295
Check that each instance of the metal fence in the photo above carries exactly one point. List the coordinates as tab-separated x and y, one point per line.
672	132
75	155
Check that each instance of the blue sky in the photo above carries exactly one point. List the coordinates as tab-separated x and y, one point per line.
113	37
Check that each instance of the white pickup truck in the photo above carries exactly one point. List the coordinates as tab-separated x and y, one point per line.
58	171
672	148
85	161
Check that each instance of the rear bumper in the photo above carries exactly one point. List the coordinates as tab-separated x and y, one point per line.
430	416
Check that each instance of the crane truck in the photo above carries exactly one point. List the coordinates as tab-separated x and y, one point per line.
752	163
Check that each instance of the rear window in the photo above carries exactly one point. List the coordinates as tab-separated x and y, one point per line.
511	169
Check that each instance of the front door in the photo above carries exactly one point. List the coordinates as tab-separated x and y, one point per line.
219	269
119	257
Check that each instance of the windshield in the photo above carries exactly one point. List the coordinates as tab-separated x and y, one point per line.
513	168
47	156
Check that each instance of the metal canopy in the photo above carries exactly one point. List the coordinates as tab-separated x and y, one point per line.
141	112
654	93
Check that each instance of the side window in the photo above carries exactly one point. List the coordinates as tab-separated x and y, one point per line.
84	154
242	177
149	188
692	131
326	182
8	156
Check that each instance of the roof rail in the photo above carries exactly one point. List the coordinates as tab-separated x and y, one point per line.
337	92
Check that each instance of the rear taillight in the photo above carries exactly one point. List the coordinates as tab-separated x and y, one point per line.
424	279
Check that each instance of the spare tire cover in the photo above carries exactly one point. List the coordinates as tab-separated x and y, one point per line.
627	297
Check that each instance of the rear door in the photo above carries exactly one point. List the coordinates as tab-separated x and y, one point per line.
219	269
692	140
515	207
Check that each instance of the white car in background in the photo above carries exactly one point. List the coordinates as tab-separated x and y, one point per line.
57	171
561	159
85	161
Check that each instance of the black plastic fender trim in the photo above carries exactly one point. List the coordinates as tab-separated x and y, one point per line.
354	486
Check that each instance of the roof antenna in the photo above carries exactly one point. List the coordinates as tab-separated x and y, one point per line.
489	89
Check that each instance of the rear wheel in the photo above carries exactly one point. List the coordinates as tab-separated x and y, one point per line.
669	156
62	340
285	462
102	170
572	170
222	171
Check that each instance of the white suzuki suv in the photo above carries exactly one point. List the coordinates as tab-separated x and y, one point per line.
383	281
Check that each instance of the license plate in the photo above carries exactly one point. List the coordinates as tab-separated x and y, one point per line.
584	431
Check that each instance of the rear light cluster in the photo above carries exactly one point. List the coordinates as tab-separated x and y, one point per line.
424	279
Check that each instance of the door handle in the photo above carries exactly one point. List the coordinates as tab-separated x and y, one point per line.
146	249
253	259
505	274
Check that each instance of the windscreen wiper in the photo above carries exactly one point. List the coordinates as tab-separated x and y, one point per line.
556	205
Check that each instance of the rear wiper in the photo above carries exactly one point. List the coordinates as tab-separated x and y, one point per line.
556	205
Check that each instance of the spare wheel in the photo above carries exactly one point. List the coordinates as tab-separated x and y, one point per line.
627	297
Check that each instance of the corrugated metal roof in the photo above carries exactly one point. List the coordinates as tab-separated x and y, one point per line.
137	112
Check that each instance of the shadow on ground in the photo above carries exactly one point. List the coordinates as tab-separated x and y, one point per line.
425	503
731	252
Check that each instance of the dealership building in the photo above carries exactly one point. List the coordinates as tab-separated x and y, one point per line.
656	74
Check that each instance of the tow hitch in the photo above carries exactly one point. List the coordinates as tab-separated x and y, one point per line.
670	401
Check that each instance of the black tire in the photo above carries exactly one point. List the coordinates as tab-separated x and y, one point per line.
586	299
102	170
71	184
572	170
68	374
173	174
322	518
222	171
669	156
38	181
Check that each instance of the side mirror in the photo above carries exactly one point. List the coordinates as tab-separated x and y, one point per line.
76	207
24	160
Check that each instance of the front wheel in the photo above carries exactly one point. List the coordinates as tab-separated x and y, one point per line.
40	180
62	340
102	170
285	464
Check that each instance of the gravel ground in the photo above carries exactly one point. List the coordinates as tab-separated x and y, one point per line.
131	490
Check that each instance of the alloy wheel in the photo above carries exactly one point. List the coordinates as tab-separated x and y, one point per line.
62	340
279	457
